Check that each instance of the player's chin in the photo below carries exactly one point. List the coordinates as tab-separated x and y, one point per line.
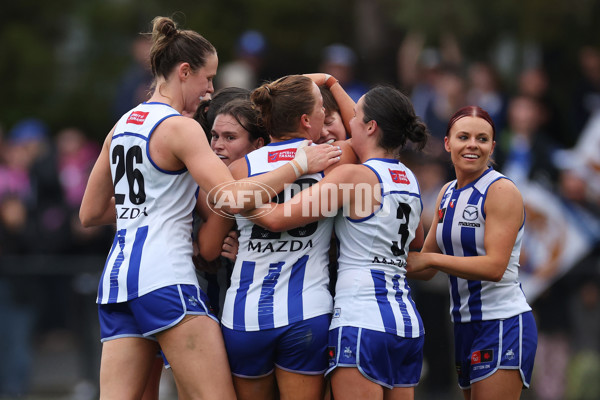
226	161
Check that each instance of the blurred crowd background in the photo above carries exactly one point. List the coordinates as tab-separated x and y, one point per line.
70	68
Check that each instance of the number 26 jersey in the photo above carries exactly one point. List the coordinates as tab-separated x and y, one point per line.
152	247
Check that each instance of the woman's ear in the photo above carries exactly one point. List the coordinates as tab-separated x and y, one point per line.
305	121
258	143
184	70
447	144
371	127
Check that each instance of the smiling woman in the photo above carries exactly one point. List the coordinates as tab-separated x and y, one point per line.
471	145
145	180
276	311
475	238
144	162
376	335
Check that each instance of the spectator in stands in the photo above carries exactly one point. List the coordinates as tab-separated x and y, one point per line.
341	61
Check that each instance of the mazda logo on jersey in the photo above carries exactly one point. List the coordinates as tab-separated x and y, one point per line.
470	213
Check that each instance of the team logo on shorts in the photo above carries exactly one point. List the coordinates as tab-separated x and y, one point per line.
331	354
510	355
192	300
347	352
331	351
482	356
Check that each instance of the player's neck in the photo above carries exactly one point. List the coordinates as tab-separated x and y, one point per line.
288	136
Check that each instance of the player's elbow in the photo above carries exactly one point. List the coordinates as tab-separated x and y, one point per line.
209	248
209	253
225	207
231	199
496	274
86	219
85	223
231	209
273	224
425	275
429	275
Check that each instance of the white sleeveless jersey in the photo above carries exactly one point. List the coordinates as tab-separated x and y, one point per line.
371	290
153	243
279	277
460	232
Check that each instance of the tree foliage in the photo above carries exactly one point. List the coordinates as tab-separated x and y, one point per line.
61	60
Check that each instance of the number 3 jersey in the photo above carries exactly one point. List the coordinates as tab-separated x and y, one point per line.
153	243
279	277
371	290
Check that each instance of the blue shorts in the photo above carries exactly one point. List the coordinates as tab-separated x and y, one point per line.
384	358
151	313
483	347
300	347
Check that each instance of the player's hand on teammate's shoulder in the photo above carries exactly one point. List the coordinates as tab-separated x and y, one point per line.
317	157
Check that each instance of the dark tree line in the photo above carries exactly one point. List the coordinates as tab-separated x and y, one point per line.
61	60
